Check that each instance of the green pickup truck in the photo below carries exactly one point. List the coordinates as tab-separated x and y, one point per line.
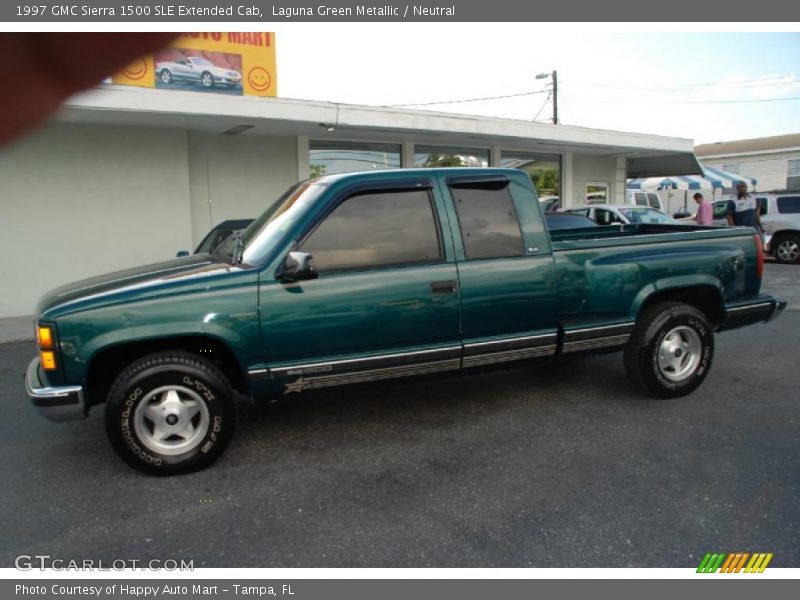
373	276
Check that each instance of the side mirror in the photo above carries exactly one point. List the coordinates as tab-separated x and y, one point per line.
297	266
182	253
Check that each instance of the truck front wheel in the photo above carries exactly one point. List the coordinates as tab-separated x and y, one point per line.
170	413
671	350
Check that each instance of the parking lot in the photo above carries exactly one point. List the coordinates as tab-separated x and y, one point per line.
565	465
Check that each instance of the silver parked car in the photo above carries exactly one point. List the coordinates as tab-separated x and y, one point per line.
196	69
610	214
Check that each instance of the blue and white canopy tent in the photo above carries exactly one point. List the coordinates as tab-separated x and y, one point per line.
712	179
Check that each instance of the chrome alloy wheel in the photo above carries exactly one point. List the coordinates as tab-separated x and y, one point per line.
788	251
679	353
171	420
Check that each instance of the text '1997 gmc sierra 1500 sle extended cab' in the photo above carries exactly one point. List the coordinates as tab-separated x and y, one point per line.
362	277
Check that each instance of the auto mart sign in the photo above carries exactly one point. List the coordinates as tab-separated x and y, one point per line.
235	63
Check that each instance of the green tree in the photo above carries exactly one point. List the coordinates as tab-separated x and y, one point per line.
443	160
546	181
315	171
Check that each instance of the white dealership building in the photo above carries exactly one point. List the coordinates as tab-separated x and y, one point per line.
123	176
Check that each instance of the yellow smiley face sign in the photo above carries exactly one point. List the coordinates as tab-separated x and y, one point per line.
234	63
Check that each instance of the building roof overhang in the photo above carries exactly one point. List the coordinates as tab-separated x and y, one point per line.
646	155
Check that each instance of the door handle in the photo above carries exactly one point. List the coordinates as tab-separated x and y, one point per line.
444	287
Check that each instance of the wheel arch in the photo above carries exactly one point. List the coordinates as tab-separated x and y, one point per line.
781	233
704	295
106	364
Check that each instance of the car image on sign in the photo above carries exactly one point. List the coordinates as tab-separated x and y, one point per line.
196	69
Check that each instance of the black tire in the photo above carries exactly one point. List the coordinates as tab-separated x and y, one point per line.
207	79
786	249
203	407
662	327
166	76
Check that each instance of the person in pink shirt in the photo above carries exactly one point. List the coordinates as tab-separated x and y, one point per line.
704	212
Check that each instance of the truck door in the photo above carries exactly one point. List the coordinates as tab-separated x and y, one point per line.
386	303
506	270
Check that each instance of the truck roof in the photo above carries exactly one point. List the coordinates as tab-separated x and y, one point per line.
415	173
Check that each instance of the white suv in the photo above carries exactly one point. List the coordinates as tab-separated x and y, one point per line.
642	198
780	216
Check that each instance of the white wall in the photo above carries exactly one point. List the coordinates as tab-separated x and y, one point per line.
237	177
78	200
593	169
769	170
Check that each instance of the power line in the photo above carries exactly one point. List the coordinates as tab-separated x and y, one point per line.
767	81
686	101
470	99
541	108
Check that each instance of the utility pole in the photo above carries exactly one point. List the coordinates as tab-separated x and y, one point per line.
554	78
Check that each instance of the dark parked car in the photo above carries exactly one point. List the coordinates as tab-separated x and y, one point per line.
218	235
562	220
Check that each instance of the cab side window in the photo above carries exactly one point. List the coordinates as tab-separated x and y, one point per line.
377	229
487	219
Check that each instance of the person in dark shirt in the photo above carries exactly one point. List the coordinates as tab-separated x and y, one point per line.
743	210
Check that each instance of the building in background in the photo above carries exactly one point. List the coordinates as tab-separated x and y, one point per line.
773	161
126	175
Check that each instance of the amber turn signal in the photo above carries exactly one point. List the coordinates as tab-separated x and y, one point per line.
48	360
44	335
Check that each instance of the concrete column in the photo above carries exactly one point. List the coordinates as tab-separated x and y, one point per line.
621	181
494	156
567	180
303	170
407	155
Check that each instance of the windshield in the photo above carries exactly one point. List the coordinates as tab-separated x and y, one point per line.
201	61
262	235
646	215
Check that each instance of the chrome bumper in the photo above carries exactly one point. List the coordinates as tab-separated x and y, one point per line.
757	310
64	403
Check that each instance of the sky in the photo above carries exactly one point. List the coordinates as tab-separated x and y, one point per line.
686	85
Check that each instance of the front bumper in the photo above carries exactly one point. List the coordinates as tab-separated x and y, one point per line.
63	403
753	310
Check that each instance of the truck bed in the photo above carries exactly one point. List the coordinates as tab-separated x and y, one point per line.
642	233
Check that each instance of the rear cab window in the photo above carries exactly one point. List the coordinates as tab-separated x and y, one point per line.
487	219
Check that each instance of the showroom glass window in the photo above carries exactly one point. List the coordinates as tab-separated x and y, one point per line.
450	156
374	230
487	219
543	169
328	157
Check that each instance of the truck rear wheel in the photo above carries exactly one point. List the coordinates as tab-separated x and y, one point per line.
671	350
170	413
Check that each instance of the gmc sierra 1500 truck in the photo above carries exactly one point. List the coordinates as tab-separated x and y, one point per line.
373	276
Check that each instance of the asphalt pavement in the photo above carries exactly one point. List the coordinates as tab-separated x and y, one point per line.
564	465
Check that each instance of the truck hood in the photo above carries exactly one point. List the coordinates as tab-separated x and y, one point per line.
109	287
